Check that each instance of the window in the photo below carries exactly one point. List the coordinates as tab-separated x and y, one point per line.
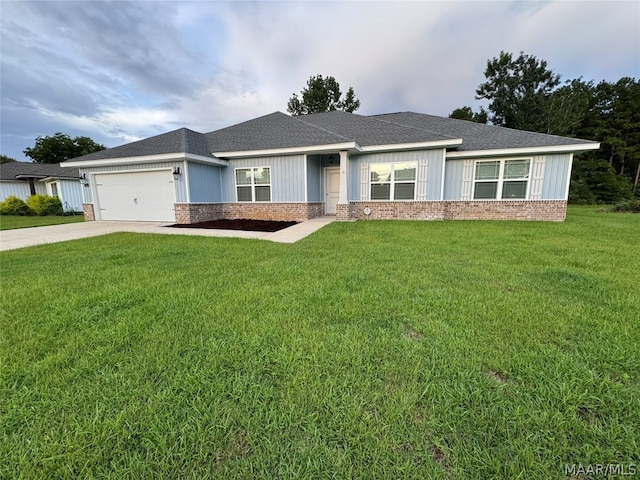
501	179
393	181
54	189
253	184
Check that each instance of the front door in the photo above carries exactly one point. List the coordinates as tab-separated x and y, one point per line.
331	190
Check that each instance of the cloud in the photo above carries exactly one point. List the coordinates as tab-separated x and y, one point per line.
118	71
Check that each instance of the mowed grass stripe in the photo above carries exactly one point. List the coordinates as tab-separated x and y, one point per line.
368	350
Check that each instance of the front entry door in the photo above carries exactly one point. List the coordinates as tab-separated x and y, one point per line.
331	190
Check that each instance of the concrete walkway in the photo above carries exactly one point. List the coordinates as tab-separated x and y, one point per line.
26	237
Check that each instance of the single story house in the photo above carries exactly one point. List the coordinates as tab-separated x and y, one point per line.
22	179
279	167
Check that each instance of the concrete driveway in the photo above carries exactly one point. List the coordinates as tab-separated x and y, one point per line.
26	237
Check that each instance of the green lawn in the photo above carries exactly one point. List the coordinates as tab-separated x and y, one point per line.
374	349
10	222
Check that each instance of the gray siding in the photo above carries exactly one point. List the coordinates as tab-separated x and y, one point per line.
432	159
314	178
204	183
70	195
179	185
453	179
556	176
287	177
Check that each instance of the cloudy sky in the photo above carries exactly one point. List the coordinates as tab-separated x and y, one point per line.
120	71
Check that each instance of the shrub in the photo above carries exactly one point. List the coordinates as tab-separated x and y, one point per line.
632	206
45	205
12	205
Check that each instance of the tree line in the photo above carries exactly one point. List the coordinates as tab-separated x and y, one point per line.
524	93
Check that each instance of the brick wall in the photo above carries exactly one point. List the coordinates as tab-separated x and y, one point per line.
203	212
197	212
89	213
547	210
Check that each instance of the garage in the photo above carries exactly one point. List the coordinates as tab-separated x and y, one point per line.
137	196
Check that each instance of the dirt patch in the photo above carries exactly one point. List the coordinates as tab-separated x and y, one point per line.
499	377
239	224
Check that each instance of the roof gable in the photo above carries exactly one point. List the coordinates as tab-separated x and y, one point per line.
182	140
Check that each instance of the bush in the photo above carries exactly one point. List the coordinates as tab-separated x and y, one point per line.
13	206
632	206
45	205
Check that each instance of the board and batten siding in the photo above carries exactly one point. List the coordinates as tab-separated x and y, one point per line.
70	194
204	183
287	177
314	179
179	185
556	177
20	189
428	175
549	177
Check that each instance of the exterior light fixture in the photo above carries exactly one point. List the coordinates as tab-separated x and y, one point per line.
176	173
83	179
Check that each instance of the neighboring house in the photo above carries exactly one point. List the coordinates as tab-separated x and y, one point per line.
277	167
22	180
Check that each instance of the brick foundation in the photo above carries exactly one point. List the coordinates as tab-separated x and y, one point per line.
545	210
197	212
88	211
285	212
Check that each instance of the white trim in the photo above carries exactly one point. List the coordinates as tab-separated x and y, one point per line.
444	164
344	177
501	180
187	185
270	152
525	150
253	185
105	162
306	180
566	192
392	182
454	142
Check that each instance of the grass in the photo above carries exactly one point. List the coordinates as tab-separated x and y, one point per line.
368	350
10	222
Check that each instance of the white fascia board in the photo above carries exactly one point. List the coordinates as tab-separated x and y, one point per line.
165	157
351	146
580	147
454	142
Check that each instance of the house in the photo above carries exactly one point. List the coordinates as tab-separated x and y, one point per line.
278	167
22	179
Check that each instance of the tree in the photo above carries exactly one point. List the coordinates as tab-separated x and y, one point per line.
322	95
466	113
61	147
6	159
517	90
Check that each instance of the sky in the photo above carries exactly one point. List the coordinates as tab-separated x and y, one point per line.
122	71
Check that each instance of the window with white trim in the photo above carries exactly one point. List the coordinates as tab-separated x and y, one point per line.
253	184
393	181
501	179
54	189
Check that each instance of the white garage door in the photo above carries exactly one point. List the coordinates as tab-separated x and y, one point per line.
141	196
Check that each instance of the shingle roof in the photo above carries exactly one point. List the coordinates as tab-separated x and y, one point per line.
478	136
9	171
182	140
278	130
367	131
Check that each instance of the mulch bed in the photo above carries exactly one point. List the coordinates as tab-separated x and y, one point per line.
240	224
